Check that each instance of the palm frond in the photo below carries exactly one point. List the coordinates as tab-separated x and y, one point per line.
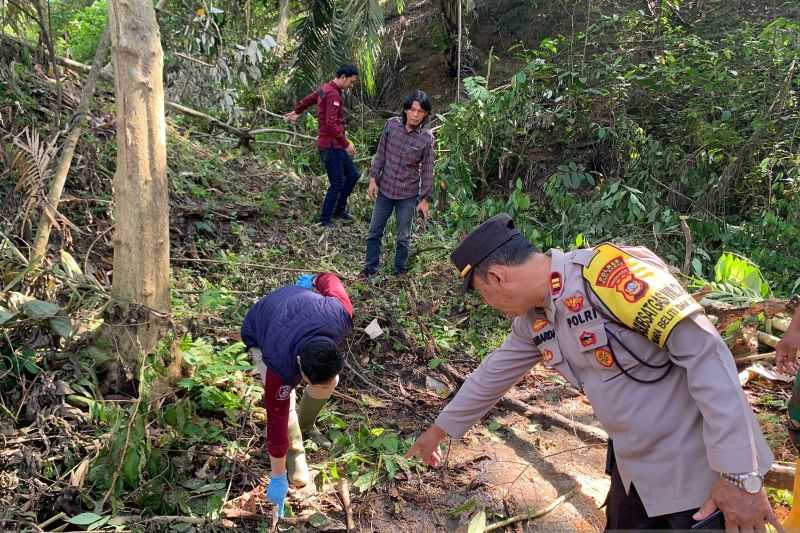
32	160
333	32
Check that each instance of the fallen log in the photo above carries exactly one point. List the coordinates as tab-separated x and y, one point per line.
584	431
780	476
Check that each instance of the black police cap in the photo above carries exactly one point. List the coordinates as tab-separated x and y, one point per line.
480	243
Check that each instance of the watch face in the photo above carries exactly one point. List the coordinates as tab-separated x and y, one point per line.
752	484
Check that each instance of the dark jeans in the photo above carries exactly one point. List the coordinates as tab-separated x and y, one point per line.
380	216
342	176
625	512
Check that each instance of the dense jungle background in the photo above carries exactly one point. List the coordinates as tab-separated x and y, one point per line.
673	124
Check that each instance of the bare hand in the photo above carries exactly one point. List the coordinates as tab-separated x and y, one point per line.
426	447
422	208
742	511
786	351
291	117
372	190
351	150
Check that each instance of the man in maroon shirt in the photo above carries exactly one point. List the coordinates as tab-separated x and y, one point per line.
334	148
401	179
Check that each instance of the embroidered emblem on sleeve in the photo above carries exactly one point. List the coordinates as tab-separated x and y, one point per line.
574	303
604	357
283	392
640	296
539	324
587	339
555	283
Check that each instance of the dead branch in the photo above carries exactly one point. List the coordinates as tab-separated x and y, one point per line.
245	136
50	207
584	431
780	476
344	492
687	235
752	358
532	515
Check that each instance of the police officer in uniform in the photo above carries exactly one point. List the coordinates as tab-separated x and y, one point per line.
618	326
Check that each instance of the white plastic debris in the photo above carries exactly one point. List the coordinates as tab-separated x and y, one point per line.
373	329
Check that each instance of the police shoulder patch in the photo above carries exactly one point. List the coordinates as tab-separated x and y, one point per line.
604	357
641	296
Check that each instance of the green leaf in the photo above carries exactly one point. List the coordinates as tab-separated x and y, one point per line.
70	265
478	523
100	523
317	520
62	326
466	507
84	519
130	467
435	362
5	315
366	481
38	310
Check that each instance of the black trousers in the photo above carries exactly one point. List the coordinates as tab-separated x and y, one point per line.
625	512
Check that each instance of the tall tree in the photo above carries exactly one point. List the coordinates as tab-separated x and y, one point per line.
283	23
141	195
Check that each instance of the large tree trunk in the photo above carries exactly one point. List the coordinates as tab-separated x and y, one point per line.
283	23
141	199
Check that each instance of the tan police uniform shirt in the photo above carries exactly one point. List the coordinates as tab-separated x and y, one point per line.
671	437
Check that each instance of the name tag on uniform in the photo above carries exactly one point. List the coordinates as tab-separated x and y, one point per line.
580	313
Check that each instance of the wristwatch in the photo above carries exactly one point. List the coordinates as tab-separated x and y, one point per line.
750	482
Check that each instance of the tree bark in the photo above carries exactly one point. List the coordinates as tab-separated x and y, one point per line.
50	208
141	194
283	23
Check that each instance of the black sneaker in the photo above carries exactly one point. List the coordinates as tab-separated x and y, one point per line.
366	273
400	273
344	215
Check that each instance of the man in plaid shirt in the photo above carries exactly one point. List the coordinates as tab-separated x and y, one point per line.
401	180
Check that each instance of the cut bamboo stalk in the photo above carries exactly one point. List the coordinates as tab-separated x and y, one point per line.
767	339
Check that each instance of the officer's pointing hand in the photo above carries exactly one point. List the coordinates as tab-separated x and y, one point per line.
426	447
742	511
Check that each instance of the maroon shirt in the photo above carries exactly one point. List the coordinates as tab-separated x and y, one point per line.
330	111
403	163
276	392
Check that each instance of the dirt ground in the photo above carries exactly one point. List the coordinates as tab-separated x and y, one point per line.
507	465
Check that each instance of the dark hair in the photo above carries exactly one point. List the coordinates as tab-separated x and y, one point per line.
346	71
320	361
424	103
514	252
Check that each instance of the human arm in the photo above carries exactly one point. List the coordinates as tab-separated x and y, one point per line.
426	170
328	284
277	403
307	101
729	433
787	348
482	389
378	163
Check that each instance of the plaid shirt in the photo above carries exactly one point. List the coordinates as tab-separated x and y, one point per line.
403	164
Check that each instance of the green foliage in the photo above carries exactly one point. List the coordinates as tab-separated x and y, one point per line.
617	142
216	382
365	455
331	33
85	29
